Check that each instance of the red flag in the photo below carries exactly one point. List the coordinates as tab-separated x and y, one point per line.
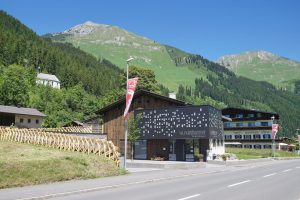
130	92
274	130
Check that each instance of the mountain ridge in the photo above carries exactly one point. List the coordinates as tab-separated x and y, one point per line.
201	80
264	66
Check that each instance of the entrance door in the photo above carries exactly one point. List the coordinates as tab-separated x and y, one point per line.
179	150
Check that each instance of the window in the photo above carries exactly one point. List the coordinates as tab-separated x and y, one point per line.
37	121
257	146
227	125
256	136
239	124
267	146
258	115
267	136
264	123
239	116
29	121
140	149
21	120
214	142
251	115
247	137
228	137
238	137
249	146
251	124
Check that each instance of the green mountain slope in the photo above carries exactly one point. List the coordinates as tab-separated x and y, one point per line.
20	45
199	79
264	66
117	45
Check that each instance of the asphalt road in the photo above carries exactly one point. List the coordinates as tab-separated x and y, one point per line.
275	181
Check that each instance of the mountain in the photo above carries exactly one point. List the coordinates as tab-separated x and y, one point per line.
264	66
198	80
117	45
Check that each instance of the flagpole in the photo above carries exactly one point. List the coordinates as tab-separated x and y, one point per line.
126	121
273	138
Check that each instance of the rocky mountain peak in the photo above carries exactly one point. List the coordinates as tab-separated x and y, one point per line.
85	28
246	57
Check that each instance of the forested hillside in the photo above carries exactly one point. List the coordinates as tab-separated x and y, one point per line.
20	45
84	79
224	86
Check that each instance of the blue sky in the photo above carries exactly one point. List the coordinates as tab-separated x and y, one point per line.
211	28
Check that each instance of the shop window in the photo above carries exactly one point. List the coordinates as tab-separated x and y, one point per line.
140	149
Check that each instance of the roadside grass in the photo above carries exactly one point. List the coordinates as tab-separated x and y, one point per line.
258	153
24	164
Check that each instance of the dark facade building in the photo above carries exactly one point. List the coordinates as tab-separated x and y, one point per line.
170	129
248	128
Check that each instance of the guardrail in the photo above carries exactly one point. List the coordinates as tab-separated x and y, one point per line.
62	141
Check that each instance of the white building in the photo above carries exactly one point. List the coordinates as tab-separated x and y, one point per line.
248	128
48	79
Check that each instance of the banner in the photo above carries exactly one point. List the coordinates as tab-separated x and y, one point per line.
129	94
299	139
274	130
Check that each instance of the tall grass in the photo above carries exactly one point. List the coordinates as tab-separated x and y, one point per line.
24	164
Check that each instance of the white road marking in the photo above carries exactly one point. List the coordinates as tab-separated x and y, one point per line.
235	184
189	197
269	175
287	170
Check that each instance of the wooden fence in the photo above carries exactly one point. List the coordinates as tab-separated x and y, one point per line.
61	141
73	129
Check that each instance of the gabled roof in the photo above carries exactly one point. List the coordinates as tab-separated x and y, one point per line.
49	77
137	94
21	111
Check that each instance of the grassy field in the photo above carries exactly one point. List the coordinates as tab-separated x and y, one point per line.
258	153
23	164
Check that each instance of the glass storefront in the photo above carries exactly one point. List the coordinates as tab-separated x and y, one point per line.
140	151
